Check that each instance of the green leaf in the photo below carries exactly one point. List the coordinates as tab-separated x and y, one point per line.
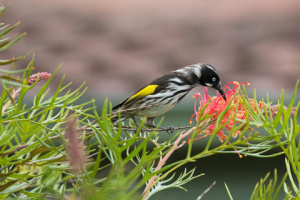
6	62
3	33
228	191
12	42
7	185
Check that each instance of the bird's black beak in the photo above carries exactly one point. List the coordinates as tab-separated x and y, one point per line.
219	88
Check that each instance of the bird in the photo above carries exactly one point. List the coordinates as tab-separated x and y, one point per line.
163	93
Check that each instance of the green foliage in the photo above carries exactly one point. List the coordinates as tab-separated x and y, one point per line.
32	151
32	144
39	149
270	191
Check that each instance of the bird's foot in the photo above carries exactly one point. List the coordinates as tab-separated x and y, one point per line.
170	129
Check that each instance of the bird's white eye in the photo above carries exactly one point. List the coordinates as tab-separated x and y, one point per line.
214	79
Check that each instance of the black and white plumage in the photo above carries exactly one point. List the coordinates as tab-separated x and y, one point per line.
163	93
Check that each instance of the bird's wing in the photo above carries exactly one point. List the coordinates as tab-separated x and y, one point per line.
119	105
147	90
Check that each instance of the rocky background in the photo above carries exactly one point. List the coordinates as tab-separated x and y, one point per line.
118	46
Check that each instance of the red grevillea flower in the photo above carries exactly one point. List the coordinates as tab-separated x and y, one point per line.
216	105
42	76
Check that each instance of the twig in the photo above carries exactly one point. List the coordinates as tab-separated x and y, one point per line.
14	95
163	160
128	128
120	111
16	149
206	191
27	145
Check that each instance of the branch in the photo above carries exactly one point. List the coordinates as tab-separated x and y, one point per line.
13	96
119	111
128	128
16	149
206	191
163	160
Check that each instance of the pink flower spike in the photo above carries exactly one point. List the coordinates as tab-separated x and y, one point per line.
42	76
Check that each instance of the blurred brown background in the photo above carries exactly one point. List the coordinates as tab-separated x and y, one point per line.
118	46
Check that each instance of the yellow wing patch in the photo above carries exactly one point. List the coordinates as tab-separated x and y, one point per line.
149	89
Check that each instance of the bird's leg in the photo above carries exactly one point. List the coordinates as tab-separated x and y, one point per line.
137	126
150	123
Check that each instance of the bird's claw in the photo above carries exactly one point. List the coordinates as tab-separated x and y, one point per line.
170	129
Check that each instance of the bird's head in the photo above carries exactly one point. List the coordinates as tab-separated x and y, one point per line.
201	74
210	78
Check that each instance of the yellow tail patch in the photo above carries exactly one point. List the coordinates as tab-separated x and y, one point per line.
149	89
